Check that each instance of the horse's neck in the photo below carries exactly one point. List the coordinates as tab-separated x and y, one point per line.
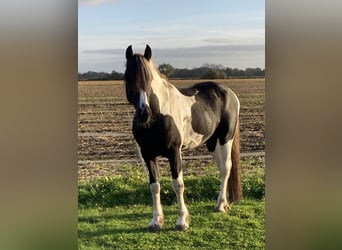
165	91
161	87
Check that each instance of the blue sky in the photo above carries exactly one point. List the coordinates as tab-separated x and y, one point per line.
183	33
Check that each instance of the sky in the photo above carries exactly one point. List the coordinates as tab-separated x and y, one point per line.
183	33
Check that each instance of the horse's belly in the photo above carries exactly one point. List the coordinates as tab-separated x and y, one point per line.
197	128
192	140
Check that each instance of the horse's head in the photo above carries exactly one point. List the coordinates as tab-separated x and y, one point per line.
138	77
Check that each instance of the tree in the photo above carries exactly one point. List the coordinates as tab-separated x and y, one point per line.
207	71
214	74
166	69
116	76
254	72
228	72
213	66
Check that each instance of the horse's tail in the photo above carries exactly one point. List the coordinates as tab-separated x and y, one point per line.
234	181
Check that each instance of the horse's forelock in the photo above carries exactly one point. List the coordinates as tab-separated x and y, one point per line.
138	72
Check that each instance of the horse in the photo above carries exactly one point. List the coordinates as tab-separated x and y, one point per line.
168	120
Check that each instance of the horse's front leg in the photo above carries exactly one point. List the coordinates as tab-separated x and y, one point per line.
178	186
158	216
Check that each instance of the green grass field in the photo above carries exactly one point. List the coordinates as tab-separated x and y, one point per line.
124	227
114	213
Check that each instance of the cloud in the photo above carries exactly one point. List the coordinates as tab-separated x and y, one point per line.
181	52
217	40
234	56
87	3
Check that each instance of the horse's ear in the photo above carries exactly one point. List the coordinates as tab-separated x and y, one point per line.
148	52
129	52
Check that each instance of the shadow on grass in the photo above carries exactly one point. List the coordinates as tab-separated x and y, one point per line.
131	215
111	231
134	220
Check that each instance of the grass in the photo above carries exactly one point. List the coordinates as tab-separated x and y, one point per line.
114	213
124	227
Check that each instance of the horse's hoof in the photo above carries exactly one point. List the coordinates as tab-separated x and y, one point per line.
182	227
222	209
154	228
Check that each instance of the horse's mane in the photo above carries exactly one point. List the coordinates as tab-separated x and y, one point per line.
159	73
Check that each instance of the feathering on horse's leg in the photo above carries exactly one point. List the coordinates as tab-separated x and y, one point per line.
183	221
158	216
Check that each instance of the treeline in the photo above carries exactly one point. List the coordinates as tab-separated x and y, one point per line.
208	71
92	76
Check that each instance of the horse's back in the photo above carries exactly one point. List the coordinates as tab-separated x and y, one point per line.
202	87
207	90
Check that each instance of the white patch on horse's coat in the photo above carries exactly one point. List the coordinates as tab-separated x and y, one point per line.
178	187
158	216
237	100
191	139
222	157
181	112
143	101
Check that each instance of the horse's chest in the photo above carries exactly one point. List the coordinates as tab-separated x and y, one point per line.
158	136
148	135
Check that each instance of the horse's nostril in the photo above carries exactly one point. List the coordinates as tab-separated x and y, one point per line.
141	109
144	114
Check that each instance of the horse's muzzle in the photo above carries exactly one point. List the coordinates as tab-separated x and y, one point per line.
144	114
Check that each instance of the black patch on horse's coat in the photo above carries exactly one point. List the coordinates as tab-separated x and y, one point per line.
209	115
158	137
154	103
188	91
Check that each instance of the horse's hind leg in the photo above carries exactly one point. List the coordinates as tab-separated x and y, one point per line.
222	157
158	216
182	223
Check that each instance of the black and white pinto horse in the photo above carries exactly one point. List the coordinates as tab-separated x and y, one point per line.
169	119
